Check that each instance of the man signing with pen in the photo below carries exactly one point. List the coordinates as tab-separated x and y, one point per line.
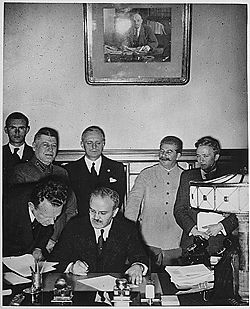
104	242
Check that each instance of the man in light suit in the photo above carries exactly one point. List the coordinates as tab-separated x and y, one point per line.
94	170
208	153
16	151
103	242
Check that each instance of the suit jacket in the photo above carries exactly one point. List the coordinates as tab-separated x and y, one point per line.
33	171
9	162
111	175
18	236
78	242
186	216
146	37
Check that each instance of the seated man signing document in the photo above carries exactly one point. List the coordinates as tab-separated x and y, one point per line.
104	242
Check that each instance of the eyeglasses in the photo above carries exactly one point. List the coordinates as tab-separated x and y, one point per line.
93	212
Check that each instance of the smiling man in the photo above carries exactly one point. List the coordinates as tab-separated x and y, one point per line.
155	188
94	170
45	146
29	216
208	153
103	242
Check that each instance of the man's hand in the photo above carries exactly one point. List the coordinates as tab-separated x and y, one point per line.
145	48
37	254
213	229
196	232
50	245
79	268
135	274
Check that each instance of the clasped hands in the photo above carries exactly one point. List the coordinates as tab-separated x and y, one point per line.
212	230
134	272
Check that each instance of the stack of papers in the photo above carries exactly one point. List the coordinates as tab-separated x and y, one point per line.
186	277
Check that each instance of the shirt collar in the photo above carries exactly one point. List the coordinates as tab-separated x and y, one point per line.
32	217
203	173
20	151
97	162
106	231
43	167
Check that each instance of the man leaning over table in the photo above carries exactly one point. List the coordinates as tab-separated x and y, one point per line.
103	242
29	216
151	202
41	165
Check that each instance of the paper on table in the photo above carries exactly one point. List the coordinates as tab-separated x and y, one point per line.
102	283
21	264
169	300
189	270
207	218
14	279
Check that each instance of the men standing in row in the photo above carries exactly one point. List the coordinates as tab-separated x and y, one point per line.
45	146
208	153
103	242
94	170
29	216
151	201
16	151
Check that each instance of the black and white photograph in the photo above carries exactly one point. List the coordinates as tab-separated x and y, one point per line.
124	154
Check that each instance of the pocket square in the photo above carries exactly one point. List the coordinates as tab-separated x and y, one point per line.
112	179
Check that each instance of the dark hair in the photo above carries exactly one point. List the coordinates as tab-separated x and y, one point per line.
209	141
106	192
51	188
47	131
92	129
16	115
173	140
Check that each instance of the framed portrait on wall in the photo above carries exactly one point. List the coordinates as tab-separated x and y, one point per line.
137	44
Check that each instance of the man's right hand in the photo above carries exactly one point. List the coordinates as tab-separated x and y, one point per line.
195	232
37	254
79	268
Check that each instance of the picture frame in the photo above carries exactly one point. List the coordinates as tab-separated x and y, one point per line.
112	56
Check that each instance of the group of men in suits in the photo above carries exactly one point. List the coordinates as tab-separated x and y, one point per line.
90	233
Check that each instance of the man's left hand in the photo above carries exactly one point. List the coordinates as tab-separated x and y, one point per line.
145	48
135	274
213	229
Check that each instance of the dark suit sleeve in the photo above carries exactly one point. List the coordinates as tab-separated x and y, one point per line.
184	216
152	41
230	223
120	186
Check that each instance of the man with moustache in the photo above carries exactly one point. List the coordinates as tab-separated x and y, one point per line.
45	147
151	202
94	170
208	153
16	151
103	242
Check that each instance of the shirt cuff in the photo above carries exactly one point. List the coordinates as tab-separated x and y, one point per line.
144	267
68	268
223	231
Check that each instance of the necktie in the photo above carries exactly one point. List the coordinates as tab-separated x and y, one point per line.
100	242
16	156
93	171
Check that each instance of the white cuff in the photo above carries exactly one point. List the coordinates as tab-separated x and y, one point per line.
68	268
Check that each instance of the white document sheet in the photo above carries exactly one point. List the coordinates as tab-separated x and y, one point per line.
14	279
207	218
102	283
169	300
21	264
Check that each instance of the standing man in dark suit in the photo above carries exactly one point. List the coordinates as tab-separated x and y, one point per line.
29	215
208	153
94	170
105	241
16	151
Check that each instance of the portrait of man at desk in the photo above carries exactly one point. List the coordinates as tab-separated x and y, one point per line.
104	242
137	34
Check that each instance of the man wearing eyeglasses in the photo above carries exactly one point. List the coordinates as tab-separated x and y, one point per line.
151	203
94	170
103	242
29	216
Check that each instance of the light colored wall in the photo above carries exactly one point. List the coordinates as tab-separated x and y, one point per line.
44	78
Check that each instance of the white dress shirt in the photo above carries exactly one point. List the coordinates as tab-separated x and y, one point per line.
97	162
